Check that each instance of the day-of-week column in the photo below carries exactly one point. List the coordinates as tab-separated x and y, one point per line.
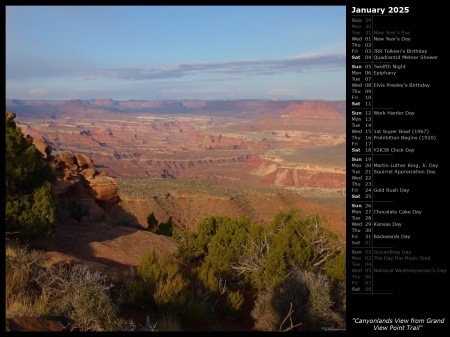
361	156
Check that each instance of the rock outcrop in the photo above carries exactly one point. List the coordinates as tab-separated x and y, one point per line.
79	168
80	189
103	188
44	148
10	116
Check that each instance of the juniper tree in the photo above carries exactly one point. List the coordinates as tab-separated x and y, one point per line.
30	208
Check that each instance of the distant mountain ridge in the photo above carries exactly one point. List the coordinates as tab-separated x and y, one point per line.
244	107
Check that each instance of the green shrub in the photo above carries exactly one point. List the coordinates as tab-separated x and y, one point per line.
152	223
335	268
189	249
234	301
92	310
30	209
165	228
207	276
159	282
290	242
226	246
171	293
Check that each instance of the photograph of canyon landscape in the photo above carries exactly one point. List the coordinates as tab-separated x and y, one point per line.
173	168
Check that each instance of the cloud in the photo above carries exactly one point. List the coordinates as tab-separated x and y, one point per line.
283	92
37	68
310	63
37	92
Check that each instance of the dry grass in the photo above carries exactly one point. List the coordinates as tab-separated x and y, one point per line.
22	266
73	292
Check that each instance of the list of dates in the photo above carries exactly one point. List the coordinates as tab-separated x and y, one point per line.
396	216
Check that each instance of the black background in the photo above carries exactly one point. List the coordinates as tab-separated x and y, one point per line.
419	296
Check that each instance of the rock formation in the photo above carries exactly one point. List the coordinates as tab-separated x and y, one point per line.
78	182
79	168
79	187
10	116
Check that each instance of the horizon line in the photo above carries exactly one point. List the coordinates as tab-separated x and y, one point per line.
177	99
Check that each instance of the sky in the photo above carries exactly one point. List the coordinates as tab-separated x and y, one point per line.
175	52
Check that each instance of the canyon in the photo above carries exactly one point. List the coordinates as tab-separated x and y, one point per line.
188	159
